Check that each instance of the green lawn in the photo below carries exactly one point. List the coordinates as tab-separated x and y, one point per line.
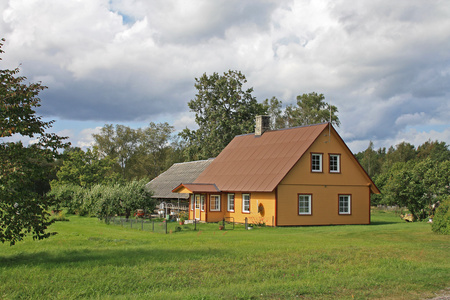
88	259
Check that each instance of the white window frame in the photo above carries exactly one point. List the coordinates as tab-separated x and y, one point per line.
338	161
202	202
308	198
216	206
320	155
230	202
349	204
192	202
246	206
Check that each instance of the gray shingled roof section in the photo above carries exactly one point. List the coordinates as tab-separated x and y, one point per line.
186	172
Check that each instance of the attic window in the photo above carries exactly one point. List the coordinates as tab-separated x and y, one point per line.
335	163
316	162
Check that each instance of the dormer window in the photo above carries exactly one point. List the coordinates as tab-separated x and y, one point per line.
316	162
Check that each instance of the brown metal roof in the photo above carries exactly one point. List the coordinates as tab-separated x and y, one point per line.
258	163
162	185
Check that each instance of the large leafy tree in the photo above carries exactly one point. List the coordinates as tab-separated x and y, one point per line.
417	185
311	109
23	206
137	153
223	109
86	169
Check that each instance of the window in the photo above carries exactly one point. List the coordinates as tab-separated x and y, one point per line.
316	162
345	204
202	202
197	202
304	204
335	163
192	202
230	203
245	203
214	203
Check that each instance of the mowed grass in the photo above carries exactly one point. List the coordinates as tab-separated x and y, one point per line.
390	259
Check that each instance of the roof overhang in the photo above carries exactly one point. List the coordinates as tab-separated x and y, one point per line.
194	188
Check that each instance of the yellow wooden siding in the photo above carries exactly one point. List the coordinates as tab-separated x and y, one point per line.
325	187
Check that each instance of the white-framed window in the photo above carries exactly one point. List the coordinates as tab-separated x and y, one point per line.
345	204
304	204
316	162
335	163
192	202
246	203
214	203
197	202
202	202
230	202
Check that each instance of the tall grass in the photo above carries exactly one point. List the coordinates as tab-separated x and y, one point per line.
89	259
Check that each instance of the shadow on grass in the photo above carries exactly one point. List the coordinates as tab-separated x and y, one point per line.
383	223
128	257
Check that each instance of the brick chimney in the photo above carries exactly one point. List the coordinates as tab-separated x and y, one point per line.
262	125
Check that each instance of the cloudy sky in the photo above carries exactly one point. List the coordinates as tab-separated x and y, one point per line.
385	64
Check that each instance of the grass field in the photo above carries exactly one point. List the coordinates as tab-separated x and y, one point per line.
389	259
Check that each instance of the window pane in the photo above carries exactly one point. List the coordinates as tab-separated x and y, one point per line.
304	204
344	204
246	203
316	162
334	163
231	202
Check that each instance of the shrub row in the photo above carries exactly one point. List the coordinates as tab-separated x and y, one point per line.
103	200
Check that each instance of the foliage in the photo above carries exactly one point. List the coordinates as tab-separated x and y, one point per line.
417	185
24	170
311	109
137	153
222	110
441	220
104	200
86	169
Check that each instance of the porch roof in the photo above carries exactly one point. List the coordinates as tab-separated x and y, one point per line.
193	188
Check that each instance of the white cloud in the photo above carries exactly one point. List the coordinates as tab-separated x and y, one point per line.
385	64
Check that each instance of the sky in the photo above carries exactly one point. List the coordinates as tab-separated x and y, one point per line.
385	64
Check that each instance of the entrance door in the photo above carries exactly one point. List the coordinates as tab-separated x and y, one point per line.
197	207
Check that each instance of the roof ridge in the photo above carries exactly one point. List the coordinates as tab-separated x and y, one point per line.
286	128
193	161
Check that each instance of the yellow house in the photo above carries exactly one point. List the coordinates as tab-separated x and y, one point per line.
297	176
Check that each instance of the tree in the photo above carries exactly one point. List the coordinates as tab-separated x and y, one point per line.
86	169
23	207
275	111
138	153
311	109
417	185
222	110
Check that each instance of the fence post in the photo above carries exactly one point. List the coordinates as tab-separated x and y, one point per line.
121	221
223	223
195	224
246	223
131	223
142	227
153	225
273	221
166	225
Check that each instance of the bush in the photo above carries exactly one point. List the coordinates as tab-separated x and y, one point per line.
441	220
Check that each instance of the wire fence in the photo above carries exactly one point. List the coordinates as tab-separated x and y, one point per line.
169	226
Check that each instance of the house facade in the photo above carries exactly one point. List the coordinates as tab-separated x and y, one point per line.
290	177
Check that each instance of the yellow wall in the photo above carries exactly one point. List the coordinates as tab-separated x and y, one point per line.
325	187
267	215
